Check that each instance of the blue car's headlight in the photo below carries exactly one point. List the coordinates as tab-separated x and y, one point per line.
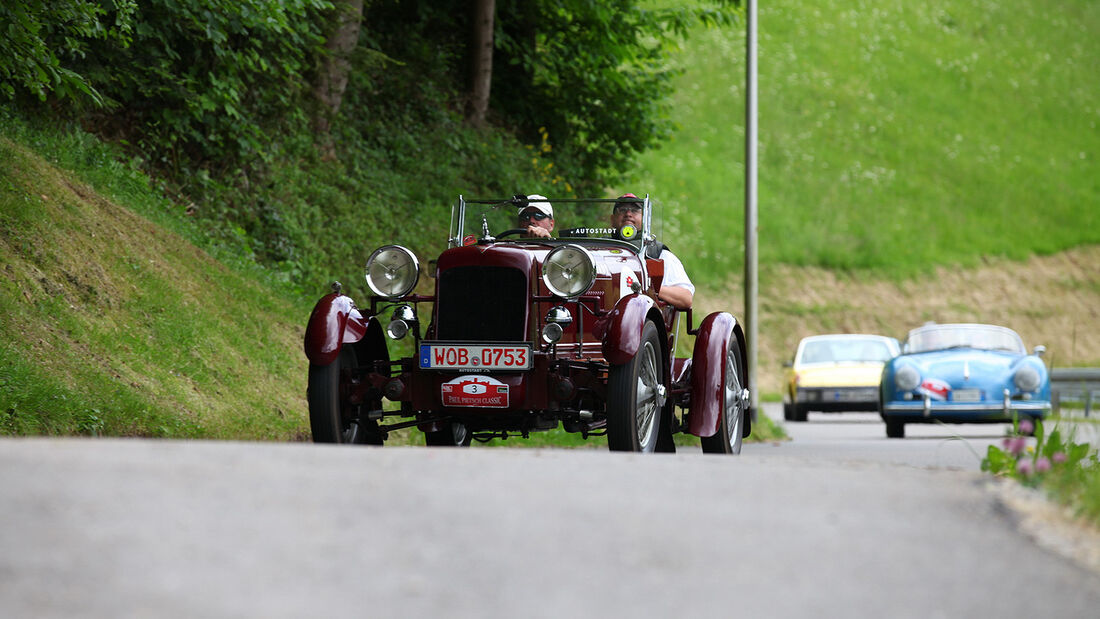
907	378
1026	378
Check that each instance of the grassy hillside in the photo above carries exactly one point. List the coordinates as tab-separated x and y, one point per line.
112	324
894	136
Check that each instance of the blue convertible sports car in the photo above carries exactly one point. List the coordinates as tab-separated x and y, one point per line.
963	373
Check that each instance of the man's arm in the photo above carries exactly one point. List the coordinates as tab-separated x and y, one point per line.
678	296
677	288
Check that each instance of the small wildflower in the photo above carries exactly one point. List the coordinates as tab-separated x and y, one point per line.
1059	457
1042	465
1026	426
1023	467
1015	445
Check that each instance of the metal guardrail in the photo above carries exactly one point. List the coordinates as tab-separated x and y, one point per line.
1074	385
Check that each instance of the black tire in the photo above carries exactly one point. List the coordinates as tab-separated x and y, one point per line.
453	434
798	412
633	404
331	419
665	442
788	411
895	428
727	440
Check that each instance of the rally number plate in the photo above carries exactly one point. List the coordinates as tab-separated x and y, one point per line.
448	356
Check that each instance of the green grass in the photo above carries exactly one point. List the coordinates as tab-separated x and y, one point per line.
113	325
893	136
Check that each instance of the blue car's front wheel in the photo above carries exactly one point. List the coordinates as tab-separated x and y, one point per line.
895	428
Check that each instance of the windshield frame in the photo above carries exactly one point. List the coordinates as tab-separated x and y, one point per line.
955	336
458	231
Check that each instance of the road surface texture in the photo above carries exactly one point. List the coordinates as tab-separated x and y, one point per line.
140	528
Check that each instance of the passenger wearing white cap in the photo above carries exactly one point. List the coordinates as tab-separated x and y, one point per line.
537	217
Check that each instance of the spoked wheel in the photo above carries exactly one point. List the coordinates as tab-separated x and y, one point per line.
635	395
453	434
727	440
331	418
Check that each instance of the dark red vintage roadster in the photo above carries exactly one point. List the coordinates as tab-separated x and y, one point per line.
524	335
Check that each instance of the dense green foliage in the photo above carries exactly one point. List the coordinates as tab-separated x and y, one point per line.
894	136
205	83
213	97
41	37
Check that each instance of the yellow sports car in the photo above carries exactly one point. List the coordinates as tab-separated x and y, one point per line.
835	373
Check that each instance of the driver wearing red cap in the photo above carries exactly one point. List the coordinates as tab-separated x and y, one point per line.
676	287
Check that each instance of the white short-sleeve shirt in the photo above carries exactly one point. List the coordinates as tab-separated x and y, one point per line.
675	275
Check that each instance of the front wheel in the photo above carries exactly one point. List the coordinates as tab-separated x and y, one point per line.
331	418
895	428
727	440
635	394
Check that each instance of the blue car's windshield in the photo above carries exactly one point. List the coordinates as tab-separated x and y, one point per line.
982	337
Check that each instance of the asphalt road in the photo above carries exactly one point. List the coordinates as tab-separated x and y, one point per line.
838	522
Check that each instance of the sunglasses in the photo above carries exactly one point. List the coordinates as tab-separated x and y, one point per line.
628	208
537	216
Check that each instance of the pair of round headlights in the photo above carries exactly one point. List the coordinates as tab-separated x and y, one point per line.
569	271
1026	378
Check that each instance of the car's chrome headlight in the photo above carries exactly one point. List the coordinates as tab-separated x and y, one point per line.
569	271
392	271
402	320
907	378
1026	378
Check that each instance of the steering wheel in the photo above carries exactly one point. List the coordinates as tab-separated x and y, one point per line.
511	232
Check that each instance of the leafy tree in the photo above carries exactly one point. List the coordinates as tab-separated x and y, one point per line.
583	81
40	38
590	76
207	83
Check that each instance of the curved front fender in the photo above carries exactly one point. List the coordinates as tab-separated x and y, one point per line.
708	367
336	321
621	329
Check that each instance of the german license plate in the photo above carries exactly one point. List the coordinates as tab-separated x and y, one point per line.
966	395
855	395
441	356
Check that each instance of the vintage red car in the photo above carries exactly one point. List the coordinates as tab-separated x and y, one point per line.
524	335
